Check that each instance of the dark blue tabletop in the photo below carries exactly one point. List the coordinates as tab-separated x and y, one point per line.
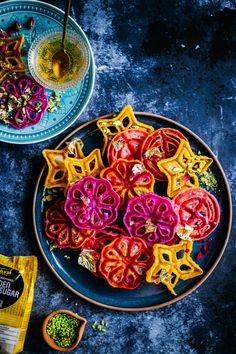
176	59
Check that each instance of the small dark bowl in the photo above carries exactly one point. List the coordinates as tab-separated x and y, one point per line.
51	342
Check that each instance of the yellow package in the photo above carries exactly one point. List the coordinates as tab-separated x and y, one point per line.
17	279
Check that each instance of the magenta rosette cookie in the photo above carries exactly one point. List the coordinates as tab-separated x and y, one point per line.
23	101
91	203
152	218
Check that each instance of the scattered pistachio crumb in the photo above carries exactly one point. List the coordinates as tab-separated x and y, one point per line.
52	246
54	101
209	180
100	326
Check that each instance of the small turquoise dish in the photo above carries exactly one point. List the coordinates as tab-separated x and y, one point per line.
64	262
74	99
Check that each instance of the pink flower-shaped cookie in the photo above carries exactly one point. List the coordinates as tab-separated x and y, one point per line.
152	218
91	203
24	101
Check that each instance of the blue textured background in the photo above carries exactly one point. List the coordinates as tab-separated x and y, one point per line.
177	59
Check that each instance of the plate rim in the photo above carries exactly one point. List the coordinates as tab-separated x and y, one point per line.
92	67
178	297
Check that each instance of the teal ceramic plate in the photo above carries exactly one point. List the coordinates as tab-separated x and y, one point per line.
74	100
146	296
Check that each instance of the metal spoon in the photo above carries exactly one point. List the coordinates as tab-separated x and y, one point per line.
61	59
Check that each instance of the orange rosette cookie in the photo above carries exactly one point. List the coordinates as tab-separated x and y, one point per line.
182	169
171	264
123	121
129	179
124	262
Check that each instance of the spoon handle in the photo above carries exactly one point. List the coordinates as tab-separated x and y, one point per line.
67	11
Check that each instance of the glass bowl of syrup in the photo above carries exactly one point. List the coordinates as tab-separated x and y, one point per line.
40	59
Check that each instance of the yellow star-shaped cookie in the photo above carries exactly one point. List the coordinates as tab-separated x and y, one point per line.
57	172
10	56
171	264
78	168
182	169
123	121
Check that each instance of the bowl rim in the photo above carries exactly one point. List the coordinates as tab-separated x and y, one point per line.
50	342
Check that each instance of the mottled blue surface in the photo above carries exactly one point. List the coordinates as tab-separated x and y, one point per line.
177	59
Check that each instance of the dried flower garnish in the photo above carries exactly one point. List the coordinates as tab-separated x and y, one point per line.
153	151
138	168
85	200
117	123
184	232
17	25
176	169
31	22
164	276
3	34
71	145
204	249
89	260
187	177
149	226
118	145
3	115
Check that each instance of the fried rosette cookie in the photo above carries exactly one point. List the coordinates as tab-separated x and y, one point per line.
60	229
171	264
124	262
10	55
152	218
158	145
24	101
57	172
199	210
183	168
129	179
122	121
126	145
92	248
91	203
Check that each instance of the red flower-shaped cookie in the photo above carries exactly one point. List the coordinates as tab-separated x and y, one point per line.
160	144
24	101
126	145
152	218
198	209
91	203
101	239
61	230
124	262
129	179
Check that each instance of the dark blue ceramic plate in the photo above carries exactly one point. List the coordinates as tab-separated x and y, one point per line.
146	296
